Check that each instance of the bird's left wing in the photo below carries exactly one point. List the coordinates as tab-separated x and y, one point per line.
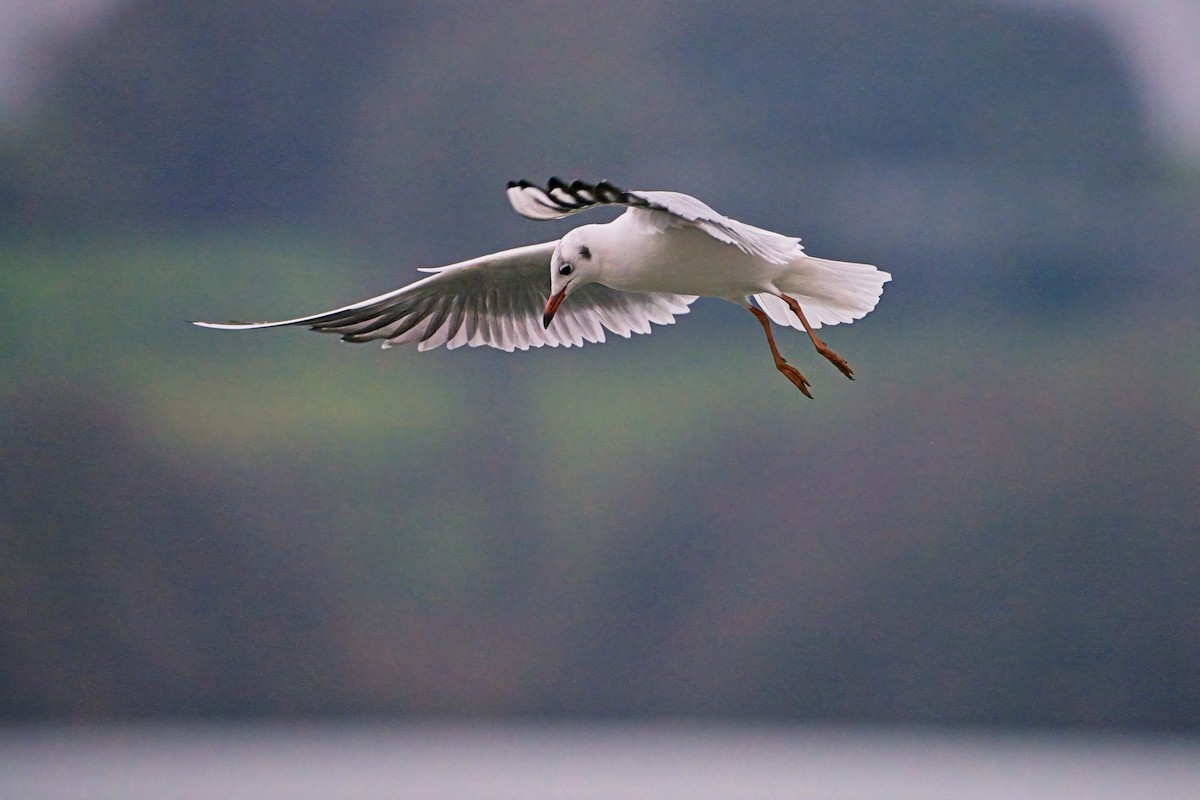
495	300
657	210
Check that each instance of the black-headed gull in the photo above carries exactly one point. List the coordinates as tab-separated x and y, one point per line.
644	267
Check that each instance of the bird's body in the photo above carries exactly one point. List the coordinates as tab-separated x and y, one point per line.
646	266
685	260
678	260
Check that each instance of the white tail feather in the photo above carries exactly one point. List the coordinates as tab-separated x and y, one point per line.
829	292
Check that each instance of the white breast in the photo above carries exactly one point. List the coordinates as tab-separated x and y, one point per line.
680	259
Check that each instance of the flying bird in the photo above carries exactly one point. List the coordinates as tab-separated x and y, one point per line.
646	266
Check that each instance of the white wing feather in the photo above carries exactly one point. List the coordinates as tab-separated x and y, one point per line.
494	300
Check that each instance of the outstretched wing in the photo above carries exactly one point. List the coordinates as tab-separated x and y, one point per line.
495	300
657	210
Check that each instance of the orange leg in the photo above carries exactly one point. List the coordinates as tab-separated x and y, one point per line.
822	348
791	373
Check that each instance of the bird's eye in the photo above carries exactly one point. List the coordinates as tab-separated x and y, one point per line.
565	269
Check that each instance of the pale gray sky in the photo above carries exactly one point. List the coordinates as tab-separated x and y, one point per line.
1160	42
1159	39
28	27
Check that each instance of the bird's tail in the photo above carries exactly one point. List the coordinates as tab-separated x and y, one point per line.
829	292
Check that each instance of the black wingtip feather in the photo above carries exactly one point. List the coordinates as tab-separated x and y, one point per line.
567	198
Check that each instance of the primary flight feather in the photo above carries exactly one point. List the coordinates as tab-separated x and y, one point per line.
647	266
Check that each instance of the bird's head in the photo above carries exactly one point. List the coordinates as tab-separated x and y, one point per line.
573	266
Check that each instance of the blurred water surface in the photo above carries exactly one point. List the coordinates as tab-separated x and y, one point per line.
565	761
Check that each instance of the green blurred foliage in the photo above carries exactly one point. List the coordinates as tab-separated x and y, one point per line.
241	523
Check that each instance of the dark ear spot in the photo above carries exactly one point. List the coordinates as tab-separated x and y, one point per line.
584	252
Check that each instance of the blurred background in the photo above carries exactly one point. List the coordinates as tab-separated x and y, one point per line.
997	525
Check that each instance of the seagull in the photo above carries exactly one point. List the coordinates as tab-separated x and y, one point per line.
646	266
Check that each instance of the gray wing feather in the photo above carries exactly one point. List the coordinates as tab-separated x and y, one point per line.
657	210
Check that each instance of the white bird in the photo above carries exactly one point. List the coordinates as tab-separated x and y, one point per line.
646	266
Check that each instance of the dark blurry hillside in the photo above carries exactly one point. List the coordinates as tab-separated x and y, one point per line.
995	524
1000	152
189	113
130	583
965	83
385	114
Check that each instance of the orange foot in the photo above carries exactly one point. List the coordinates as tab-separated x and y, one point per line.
795	376
834	359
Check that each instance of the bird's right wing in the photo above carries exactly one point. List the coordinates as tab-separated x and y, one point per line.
495	300
656	211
